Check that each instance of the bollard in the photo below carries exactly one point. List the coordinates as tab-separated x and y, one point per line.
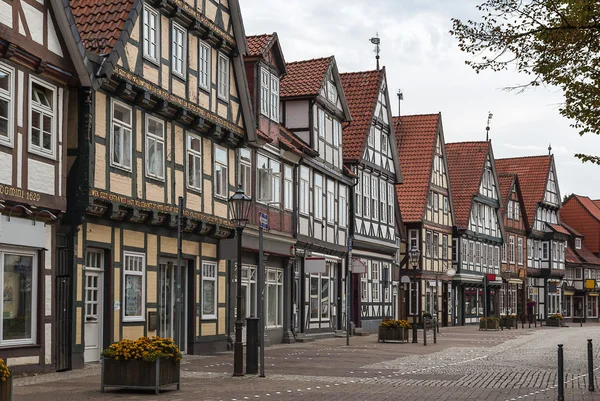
529	318
590	366
522	322
434	333
424	336
252	341
561	374
516	323
581	322
437	326
414	333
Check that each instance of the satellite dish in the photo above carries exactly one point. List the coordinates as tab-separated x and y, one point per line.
450	272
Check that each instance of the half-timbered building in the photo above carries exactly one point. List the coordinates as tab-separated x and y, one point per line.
427	212
513	300
546	239
314	108
39	79
168	107
478	230
370	151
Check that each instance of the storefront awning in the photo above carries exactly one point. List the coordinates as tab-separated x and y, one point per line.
593	294
515	281
569	293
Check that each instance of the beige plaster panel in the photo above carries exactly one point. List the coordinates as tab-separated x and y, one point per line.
193	201
203	100
133	332
151	287
155	193
165	71
98	233
197	325
222	265
220	209
211	11
150	72
179	184
235	107
80	242
209	329
169	190
117	252
79	288
221	321
208	191
131	52
193	52
222	110
120	184
190	247
209	250
133	239
232	86
152	250
207	157
100	117
178	88
140	177
193	89
197	286
100	167
168	245
168	131
179	143
135	34
221	294
139	137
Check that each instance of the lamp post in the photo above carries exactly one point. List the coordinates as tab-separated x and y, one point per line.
505	277
239	208
413	256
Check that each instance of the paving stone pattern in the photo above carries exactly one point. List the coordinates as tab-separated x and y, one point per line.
465	364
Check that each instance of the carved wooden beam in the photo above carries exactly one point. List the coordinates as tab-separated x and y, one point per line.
116	212
162	107
10	51
198	124
124	89
143	98
157	219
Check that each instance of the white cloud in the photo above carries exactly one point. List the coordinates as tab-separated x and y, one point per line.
423	60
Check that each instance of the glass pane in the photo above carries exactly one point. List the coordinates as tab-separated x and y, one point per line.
208	297
325	299
191	172
17	300
122	114
127	148
133	295
4	81
35	136
47	141
221	155
117	144
3	117
272	305
155	128
194	143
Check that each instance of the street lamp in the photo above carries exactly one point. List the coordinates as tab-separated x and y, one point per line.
505	277
413	256
239	209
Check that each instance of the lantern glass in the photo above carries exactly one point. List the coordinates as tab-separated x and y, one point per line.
239	208
413	256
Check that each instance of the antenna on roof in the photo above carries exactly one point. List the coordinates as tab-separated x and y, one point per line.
400	99
549	149
487	128
376	41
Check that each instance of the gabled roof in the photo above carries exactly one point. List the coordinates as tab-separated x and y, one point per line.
571	257
533	174
506	183
597	202
304	78
416	145
260	45
466	161
558	229
289	139
100	23
362	92
590	205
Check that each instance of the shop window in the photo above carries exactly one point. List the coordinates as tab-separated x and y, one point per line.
134	278
274	297
209	290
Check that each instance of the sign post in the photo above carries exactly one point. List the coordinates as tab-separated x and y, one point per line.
263	224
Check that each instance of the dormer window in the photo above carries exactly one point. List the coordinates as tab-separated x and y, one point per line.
577	243
269	95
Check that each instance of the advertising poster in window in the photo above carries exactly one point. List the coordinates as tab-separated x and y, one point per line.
133	296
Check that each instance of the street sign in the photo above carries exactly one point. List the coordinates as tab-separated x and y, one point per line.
263	220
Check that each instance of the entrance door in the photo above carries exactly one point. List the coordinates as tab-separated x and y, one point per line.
445	297
578	309
166	304
94	275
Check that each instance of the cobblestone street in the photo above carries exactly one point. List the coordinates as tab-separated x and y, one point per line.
465	364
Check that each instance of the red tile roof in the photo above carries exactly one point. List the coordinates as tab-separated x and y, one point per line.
304	78
597	202
559	229
100	22
416	137
257	44
587	256
466	161
361	90
533	176
289	139
571	229
263	136
590	205
571	257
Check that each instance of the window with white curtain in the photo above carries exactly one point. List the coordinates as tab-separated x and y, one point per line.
6	104
155	148
288	190
318	197
304	198
134	282
331	215
121	135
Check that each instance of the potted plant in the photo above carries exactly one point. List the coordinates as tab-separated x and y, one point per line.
554	320
145	363
489	323
508	321
5	382
393	330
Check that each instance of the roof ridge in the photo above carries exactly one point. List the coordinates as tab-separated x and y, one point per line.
417	115
260	35
465	142
524	157
309	60
362	72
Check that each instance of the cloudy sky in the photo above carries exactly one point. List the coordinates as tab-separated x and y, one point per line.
424	61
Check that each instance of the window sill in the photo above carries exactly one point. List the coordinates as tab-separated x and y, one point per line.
19	345
223	98
195	190
221	197
155	180
207	318
122	168
7	142
149	59
179	76
204	89
47	155
133	320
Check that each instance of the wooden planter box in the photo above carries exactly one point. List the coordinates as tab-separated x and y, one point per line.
143	375
6	389
399	334
510	323
554	322
489	325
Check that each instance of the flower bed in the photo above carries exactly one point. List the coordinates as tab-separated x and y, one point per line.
491	323
393	330
5	382
145	363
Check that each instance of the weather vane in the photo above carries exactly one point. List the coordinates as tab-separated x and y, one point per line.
487	129
376	41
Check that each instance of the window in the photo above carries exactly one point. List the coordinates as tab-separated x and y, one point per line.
204	52
42	131
194	162
358	191
223	77
413	239
134	281
178	50
516	212
471	252
331	201
246	170
577	243
446	205
384	143
274	297
375	198
151	34
465	251
375	281
121	136
511	249
343	202
428	244
382	198
265	81
504	252
274	98
155	148
436	245
430	200
18	279
6	104
318	197
288	189
445	247
304	190
578	274
268	180
371	139
221	177
520	251
510	210
367	195
363	287
319	296
391	203
436	205
545	251
209	290
321	116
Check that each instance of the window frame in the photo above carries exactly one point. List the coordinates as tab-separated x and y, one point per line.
274	98
342	206
224	166
203	45
331	209
152	137
288	187
197	155
520	257
175	46
142	273
146	50
223	96
246	166
122	125
511	249
8	97
577	243
304	192
215	280
53	112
